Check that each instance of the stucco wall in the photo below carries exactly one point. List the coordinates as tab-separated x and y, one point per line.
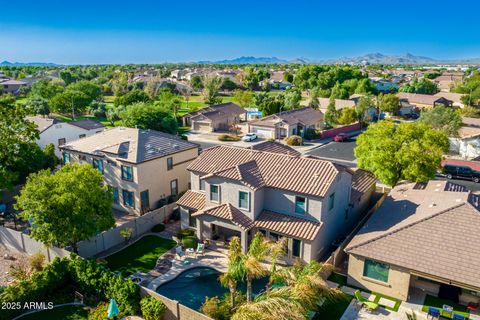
284	202
396	287
62	130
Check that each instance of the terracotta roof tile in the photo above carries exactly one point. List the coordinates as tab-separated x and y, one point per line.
228	212
288	225
192	200
275	147
362	181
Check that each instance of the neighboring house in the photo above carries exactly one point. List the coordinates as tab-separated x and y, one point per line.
59	133
219	117
238	191
144	168
384	85
447	80
253	114
467	143
422	239
275	147
287	123
276	81
339	104
11	85
424	100
456	98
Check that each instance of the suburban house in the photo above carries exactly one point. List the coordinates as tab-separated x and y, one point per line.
144	168
456	98
276	81
423	239
11	85
339	104
447	80
425	100
384	85
287	123
240	191
219	117
467	143
59	133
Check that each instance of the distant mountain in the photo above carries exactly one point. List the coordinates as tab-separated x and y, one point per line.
22	64
379	58
248	60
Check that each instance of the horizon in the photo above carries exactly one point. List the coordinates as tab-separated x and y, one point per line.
115	33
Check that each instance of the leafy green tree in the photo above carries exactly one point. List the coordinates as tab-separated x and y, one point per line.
288	77
113	114
339	92
331	115
364	103
389	103
148	116
39	105
228	84
292	99
98	108
92	90
131	98
365	86
196	82
119	83
408	151
235	270
46	89
442	118
211	87
50	160
423	86
253	77
244	98
252	262
168	101
67	77
348	116
70	101
66	207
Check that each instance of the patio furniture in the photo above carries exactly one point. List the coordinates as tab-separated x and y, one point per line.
180	253
457	316
200	249
433	312
365	302
190	252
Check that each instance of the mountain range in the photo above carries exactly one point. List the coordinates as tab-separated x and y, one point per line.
22	64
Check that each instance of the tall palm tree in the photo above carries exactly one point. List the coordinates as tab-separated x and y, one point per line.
276	249
235	271
252	261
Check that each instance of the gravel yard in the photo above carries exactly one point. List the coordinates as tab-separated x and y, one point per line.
20	259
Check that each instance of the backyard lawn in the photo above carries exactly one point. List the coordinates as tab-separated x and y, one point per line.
139	256
70	312
431	301
333	310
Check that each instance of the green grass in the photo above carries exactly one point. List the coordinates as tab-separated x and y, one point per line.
70	312
102	120
333	310
379	296
139	256
431	301
338	278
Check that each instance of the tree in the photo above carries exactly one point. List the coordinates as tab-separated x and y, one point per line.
422	86
119	83
228	84
151	88
292	99
186	92
365	86
39	105
442	118
67	77
389	103
235	271
331	115
131	98
196	82
66	207
252	262
98	108
364	103
70	101
46	89
211	86
90	89
348	116
113	114
244	98
148	116
168	101
408	151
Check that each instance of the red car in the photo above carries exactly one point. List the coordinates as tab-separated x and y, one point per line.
341	137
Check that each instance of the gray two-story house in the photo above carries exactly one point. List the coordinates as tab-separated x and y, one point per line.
238	192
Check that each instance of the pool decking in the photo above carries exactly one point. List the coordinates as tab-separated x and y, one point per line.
212	259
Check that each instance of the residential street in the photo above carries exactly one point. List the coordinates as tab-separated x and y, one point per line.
338	152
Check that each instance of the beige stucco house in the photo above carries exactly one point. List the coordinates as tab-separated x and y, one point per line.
144	168
424	238
219	117
238	192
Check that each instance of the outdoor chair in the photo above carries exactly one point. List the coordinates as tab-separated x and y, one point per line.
434	313
200	249
457	316
180	253
365	302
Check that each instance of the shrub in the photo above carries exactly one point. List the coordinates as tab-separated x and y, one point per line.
311	134
294	141
185	233
219	309
152	309
190	242
184	137
228	137
158	227
37	261
100	312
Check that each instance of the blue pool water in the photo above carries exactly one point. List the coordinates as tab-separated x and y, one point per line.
192	286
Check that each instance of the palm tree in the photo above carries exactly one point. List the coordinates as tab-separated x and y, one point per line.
276	249
235	271
252	261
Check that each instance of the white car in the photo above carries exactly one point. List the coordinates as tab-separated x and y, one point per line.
249	137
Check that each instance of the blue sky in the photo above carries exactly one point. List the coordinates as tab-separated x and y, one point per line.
150	31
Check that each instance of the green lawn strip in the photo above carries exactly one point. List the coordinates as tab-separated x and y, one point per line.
139	256
378	296
334	309
70	312
338	278
431	301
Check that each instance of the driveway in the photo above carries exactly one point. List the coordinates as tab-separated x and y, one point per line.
208	140
339	152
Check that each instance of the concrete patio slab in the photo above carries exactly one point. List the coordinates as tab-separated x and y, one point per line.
386	302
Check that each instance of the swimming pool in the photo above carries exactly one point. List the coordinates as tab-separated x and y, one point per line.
192	286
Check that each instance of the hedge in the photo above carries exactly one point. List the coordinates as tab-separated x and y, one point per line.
228	137
294	141
152	309
158	227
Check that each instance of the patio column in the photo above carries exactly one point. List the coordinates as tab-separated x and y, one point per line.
244	240
199	229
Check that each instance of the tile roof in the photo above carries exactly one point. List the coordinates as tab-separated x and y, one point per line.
288	225
297	174
87	124
192	200
218	111
430	228
42	123
362	181
427	99
275	147
228	212
452	96
304	115
130	145
339	103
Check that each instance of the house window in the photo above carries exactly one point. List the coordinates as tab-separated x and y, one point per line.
144	200
83	135
115	195
331	201
66	157
300	205
98	164
192	221
214	196
61	141
202	184
274	236
376	270
82	158
127	173
169	163
296	247
128	198
243	201
174	187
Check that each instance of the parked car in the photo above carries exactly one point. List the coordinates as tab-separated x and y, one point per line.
341	137
461	172
249	137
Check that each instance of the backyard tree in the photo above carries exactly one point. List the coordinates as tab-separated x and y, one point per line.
347	116
389	103
257	251
408	151
211	86
442	118
331	115
363	104
244	98
148	116
39	105
66	207
291	99
235	271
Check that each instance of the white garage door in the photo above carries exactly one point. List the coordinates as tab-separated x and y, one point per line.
264	133
200	126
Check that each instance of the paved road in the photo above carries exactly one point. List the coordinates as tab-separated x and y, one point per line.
339	152
470	185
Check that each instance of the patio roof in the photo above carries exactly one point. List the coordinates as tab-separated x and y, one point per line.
192	200
230	213
288	225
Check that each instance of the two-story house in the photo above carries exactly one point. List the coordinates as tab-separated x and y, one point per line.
144	168
238	192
